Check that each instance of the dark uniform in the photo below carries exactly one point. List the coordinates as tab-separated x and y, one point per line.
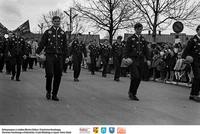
2	53
117	51
7	56
105	53
54	44
94	53
77	49
65	64
16	48
193	49
136	49
26	60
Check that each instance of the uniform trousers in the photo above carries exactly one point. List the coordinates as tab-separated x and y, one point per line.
196	81
77	59
8	65
53	70
105	64
16	61
24	64
1	62
136	76
117	63
93	64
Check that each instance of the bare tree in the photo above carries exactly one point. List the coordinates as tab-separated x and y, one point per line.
74	22
159	14
77	26
108	15
46	22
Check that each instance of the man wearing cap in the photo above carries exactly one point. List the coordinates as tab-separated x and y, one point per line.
16	51
136	49
193	49
2	53
94	53
54	43
105	53
117	51
77	50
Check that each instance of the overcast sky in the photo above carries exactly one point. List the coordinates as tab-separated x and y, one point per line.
15	12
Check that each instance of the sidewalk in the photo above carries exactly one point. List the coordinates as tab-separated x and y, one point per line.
160	81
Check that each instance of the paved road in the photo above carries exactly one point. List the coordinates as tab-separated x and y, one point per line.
93	101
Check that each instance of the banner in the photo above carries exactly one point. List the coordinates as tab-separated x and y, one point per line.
3	30
23	29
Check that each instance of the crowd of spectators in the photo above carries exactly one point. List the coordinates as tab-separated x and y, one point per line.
167	66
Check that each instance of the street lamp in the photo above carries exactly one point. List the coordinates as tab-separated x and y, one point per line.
71	17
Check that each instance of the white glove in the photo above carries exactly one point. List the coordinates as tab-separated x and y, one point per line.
41	57
25	57
66	60
148	62
37	55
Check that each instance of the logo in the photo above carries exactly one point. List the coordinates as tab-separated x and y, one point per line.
111	130
95	130
121	130
103	130
84	131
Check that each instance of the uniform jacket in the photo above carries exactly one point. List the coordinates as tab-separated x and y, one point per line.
117	49
16	46
77	48
53	42
27	49
193	49
2	46
105	50
136	48
94	50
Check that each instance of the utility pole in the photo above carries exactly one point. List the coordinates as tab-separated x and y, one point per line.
41	26
71	18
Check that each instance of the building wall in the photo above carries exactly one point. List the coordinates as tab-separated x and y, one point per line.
86	38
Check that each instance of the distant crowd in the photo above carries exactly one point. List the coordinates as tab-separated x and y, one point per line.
166	63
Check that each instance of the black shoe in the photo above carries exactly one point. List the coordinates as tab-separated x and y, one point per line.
116	79
55	98
48	96
12	77
133	97
17	79
194	98
76	79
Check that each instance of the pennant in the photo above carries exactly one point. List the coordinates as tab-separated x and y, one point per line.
24	28
3	30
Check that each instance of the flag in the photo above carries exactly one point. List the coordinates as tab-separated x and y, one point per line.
3	30
23	29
